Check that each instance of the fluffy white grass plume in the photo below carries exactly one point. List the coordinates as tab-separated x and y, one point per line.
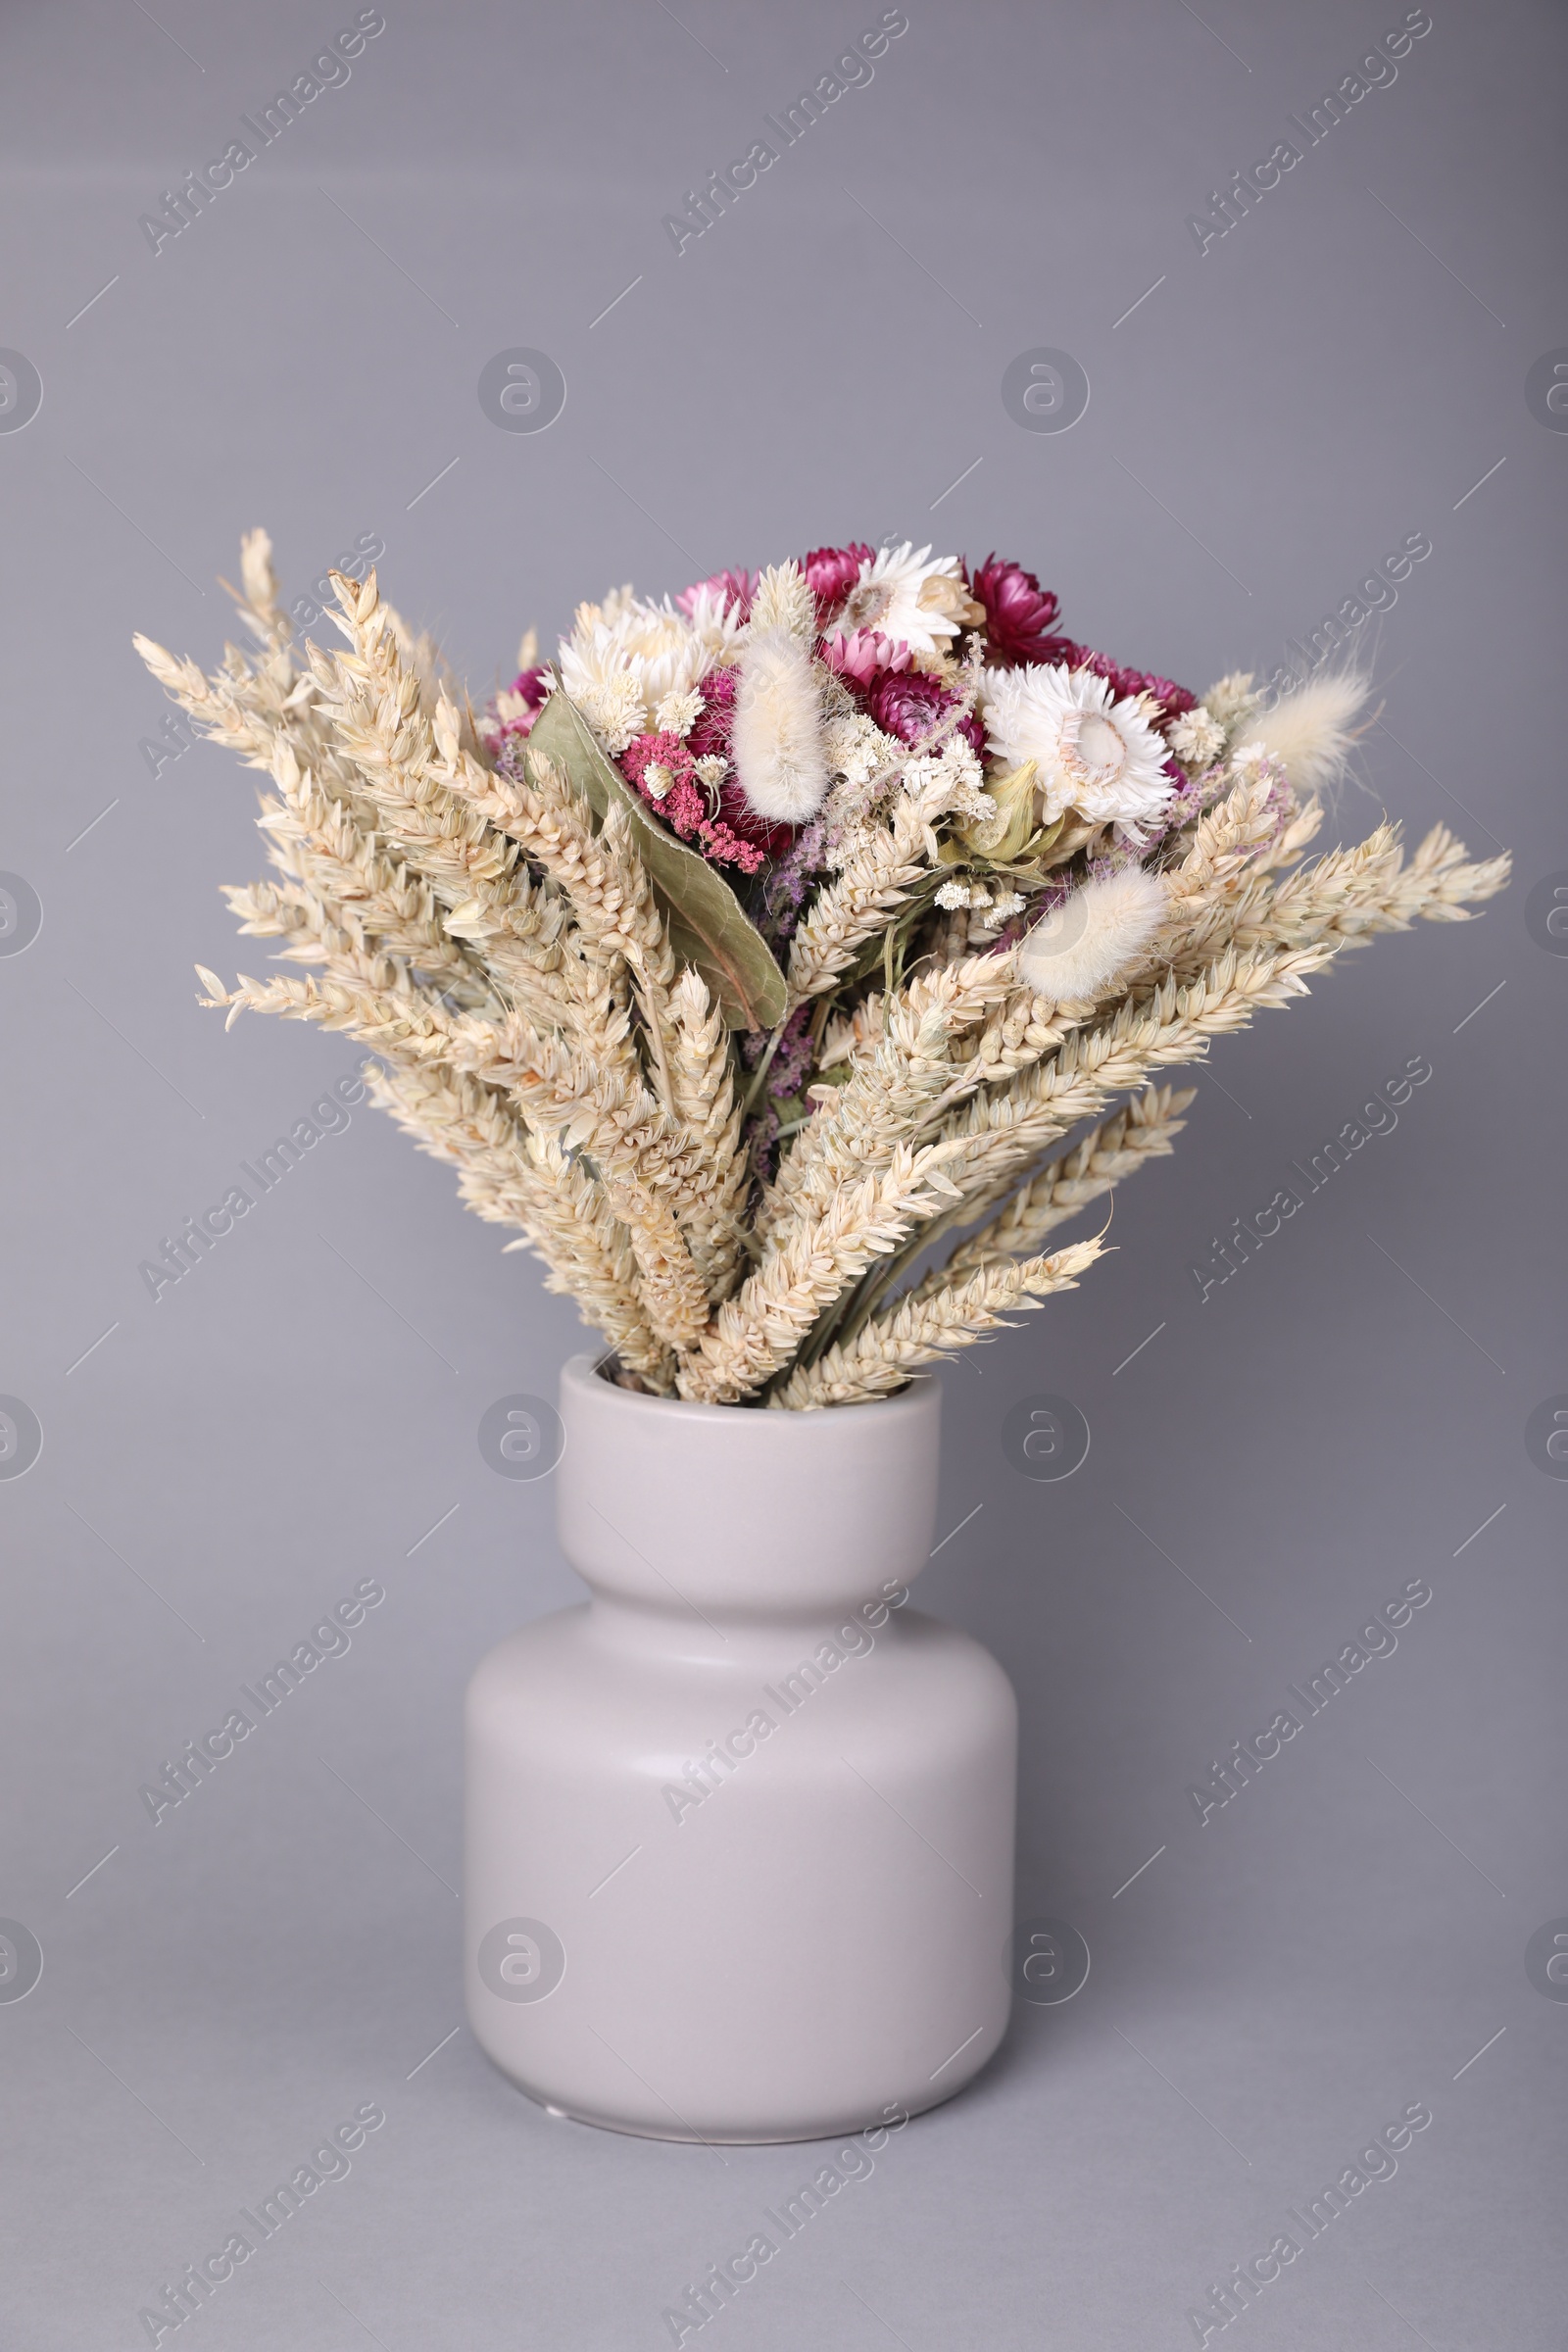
1077	949
777	739
1309	730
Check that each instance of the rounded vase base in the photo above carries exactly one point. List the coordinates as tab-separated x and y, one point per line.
758	2138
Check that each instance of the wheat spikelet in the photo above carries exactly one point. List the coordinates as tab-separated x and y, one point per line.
1001	1134
882	868
759	1330
703	1083
1144	1130
673	1293
374	705
892	1088
929	1324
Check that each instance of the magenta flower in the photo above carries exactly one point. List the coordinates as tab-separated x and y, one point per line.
911	706
1018	611
1173	700
831	572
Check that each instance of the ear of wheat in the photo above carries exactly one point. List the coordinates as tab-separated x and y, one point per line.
781	931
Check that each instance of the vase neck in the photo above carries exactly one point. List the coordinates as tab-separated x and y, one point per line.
715	1516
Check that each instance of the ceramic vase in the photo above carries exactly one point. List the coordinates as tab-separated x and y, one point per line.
739	1834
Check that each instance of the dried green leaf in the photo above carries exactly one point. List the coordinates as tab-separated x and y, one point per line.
707	925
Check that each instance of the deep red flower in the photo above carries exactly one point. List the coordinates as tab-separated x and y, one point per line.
831	572
910	705
710	730
1018	613
1173	700
773	841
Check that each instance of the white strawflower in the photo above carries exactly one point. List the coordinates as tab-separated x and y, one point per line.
890	597
1076	950
1093	752
624	658
715	622
953	894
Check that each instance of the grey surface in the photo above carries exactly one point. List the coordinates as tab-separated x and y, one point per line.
1334	375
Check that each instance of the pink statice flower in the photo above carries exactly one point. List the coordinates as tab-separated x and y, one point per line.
662	770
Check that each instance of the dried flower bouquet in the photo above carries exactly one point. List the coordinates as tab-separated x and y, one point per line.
781	928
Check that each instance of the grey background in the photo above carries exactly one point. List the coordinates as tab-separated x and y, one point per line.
297	1415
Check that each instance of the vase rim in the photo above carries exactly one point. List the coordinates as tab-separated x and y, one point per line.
588	1372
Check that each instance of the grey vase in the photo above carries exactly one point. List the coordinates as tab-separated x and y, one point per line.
740	1830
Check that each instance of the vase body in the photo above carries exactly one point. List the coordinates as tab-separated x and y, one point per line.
738	1832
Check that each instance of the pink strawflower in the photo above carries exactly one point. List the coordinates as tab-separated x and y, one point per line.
733	588
831	572
860	656
530	686
775	841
